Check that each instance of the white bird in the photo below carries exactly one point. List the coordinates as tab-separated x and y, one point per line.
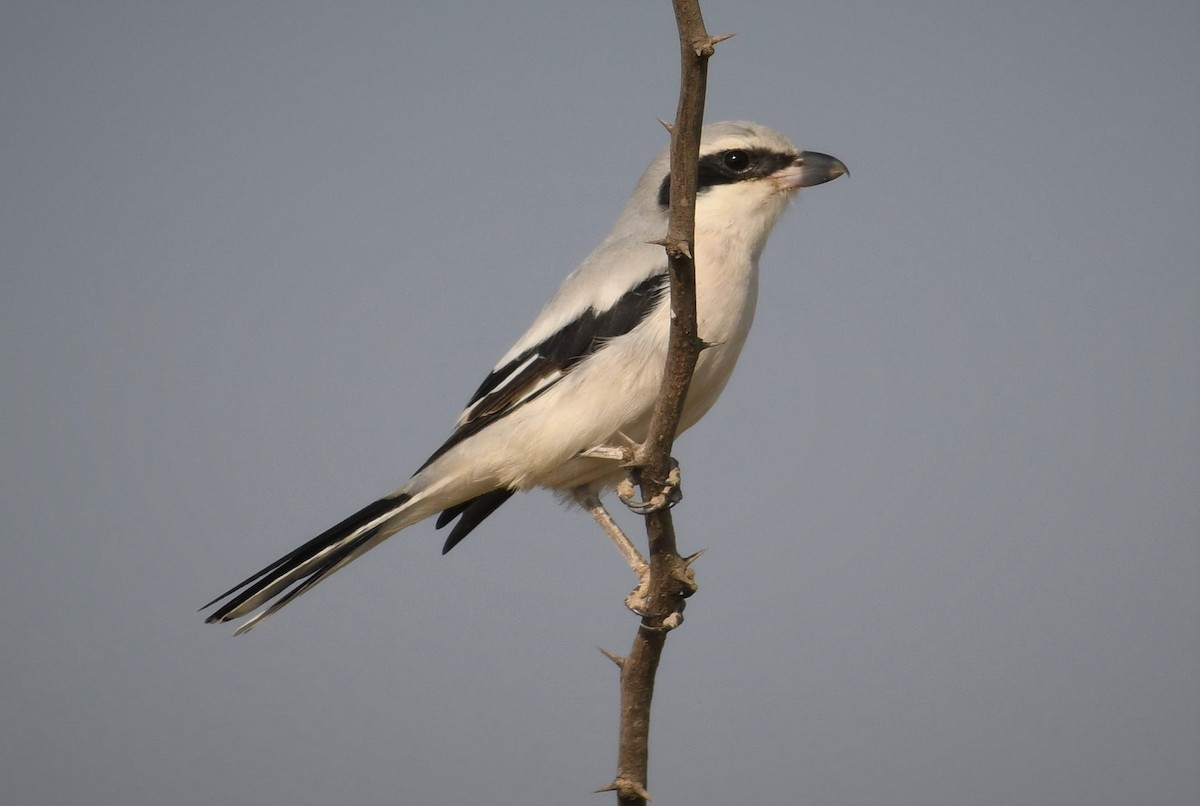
586	374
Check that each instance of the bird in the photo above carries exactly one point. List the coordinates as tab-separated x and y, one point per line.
581	383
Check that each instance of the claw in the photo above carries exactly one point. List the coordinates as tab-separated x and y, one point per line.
639	600
671	494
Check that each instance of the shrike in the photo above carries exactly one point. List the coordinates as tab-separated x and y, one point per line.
586	374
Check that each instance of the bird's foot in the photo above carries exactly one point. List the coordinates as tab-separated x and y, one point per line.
639	601
680	584
670	495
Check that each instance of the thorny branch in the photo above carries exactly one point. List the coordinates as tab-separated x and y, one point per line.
671	578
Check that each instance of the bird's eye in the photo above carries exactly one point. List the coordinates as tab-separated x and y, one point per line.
737	160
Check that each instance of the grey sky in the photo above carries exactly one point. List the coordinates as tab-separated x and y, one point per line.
256	256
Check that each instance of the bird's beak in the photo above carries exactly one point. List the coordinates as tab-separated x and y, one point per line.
811	168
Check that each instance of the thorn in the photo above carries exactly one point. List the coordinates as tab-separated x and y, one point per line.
691	558
612	656
612	452
668	126
630	442
709	46
626	789
685	249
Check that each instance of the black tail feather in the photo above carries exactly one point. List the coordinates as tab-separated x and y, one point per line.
473	513
327	541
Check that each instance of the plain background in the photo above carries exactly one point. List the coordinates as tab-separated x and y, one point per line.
256	256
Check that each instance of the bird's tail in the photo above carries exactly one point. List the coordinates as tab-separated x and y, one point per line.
299	570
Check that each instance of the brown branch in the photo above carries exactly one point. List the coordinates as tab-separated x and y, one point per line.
671	578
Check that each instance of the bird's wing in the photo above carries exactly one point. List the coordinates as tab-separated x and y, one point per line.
505	389
538	368
533	372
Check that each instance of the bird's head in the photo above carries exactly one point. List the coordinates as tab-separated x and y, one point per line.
746	176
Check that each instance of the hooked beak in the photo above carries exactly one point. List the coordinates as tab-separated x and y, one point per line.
811	168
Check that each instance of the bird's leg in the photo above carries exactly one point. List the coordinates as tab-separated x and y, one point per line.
671	495
639	600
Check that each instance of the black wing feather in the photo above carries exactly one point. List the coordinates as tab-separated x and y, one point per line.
503	392
524	378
